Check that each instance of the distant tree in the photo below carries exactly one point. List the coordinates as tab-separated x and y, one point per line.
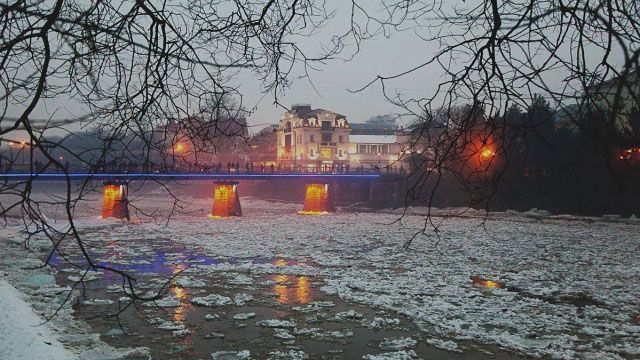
130	67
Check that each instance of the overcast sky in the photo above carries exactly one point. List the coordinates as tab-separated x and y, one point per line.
332	82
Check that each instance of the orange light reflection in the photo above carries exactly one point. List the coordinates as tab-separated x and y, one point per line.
179	314
291	289
487	283
288	293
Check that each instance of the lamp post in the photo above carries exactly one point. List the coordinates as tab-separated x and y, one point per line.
179	149
23	145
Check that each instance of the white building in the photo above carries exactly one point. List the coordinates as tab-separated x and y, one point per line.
376	151
321	140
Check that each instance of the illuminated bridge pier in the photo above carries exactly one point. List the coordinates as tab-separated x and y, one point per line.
320	189
226	200
115	199
319	198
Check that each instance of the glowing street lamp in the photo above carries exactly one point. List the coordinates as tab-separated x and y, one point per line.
22	144
179	147
486	153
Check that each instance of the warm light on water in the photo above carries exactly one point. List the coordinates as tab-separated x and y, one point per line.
312	212
487	283
179	313
291	289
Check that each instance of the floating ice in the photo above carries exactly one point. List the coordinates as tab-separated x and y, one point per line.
397	355
379	322
282	334
211	300
397	344
322	304
306	331
191	283
244	316
291	355
165	302
349	315
445	345
231	355
171	325
241	299
182	332
241	280
274	323
215	335
212	317
97	302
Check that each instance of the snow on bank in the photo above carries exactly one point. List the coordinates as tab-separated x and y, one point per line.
28	295
23	334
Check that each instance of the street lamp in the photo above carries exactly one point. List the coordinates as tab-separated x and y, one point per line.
487	153
23	144
179	147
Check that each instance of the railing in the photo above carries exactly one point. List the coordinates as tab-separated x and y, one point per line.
228	169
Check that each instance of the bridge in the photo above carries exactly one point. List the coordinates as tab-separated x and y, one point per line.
319	195
188	176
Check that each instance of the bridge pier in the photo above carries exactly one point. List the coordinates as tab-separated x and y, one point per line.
319	199
115	200
384	194
226	201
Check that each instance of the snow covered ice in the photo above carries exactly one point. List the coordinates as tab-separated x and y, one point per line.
571	284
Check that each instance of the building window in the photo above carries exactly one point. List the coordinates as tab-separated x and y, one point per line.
326	137
311	153
327	153
326	125
385	149
362	149
340	138
311	138
299	139
340	153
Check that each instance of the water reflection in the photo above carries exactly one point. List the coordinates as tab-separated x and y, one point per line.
291	289
180	293
179	313
302	290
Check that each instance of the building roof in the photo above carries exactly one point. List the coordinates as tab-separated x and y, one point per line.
372	139
305	112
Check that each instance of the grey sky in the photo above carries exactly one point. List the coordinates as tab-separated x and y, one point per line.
384	56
